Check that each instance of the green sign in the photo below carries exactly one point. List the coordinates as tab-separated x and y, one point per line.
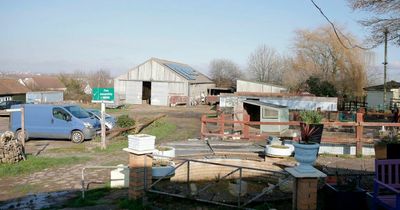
103	95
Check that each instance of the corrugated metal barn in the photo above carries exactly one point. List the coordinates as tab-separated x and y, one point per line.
156	81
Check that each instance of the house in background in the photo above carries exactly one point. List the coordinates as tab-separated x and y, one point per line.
159	82
375	95
43	83
11	89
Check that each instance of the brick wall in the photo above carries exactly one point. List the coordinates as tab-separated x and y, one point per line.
201	171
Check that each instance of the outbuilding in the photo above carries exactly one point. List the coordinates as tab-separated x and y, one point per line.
375	95
267	112
11	89
161	82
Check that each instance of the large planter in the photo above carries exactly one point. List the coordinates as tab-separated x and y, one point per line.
278	150
165	171
164	152
141	142
305	154
343	198
387	151
316	134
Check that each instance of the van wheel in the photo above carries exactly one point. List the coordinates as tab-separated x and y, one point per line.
77	137
18	135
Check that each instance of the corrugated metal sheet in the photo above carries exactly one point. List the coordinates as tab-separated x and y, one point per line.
292	102
159	93
133	92
44	97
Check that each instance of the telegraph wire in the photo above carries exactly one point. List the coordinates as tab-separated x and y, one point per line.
337	32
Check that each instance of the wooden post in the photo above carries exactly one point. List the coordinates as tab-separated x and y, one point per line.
246	119
359	133
23	125
221	124
203	126
103	126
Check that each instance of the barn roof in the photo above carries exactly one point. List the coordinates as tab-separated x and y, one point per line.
185	71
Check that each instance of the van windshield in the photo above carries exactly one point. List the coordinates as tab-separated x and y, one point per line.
77	111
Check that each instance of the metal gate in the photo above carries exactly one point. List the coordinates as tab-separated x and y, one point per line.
238	170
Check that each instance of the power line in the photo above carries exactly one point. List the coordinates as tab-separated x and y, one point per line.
337	32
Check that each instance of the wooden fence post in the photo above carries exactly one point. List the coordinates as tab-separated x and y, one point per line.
359	133
203	126
221	124
246	119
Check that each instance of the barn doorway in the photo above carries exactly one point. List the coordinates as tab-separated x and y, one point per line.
146	93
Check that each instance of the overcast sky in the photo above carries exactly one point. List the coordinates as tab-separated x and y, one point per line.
53	36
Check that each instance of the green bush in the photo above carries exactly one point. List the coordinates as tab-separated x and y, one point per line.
311	117
125	121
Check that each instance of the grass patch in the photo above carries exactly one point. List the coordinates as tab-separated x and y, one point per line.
161	129
114	145
130	204
92	197
73	149
34	163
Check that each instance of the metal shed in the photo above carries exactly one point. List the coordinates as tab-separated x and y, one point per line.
156	81
267	112
44	97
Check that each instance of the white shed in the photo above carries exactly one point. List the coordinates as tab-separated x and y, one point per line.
375	94
156	81
258	87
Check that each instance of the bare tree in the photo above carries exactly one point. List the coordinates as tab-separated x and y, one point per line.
387	18
224	72
264	65
319	53
100	78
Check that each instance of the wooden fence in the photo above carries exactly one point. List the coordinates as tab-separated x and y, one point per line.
244	133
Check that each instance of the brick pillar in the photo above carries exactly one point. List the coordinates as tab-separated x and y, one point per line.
305	188
305	194
139	174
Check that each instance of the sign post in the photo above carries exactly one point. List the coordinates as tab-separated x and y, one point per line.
22	110
103	96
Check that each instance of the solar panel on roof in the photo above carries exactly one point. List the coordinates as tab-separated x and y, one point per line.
186	71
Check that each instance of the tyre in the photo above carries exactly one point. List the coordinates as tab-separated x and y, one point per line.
18	135
77	137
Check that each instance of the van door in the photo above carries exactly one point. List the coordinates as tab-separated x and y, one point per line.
61	123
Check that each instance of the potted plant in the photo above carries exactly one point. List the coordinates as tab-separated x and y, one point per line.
311	120
306	149
387	147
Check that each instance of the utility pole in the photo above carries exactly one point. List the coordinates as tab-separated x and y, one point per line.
384	69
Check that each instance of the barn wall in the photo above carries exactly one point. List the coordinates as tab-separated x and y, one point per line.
133	92
153	71
197	89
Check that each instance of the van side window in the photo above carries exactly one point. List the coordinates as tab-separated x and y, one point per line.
60	114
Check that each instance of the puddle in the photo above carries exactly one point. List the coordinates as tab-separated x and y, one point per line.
39	200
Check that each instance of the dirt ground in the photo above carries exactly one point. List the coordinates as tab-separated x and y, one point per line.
68	178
